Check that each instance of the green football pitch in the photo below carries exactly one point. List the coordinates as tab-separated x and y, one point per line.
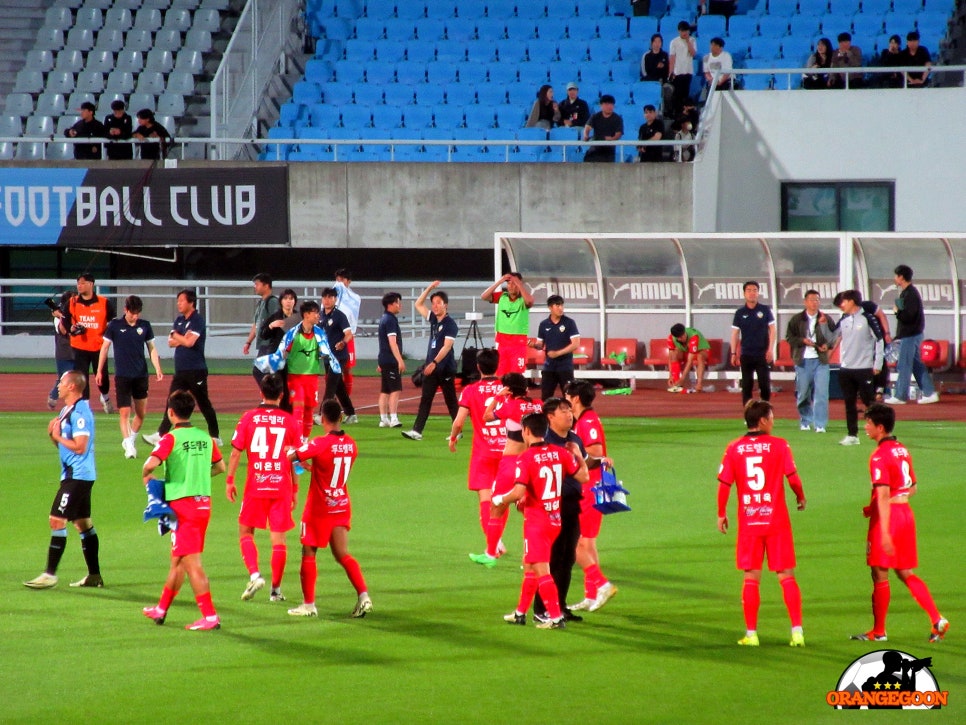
435	648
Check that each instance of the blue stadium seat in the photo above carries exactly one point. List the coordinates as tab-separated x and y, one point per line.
762	48
642	27
582	29
399	30
522	95
380	73
379	9
591	8
787	7
743	26
602	50
933	25
399	94
552	28
614	28
430	29
512	51
500	8
832	25
772	26
386	117
370	29
491	28
430	95
804	25
441	8
417	116
278	151
594	75
542	51
844	7
512	117
335	28
367	94
531	9
458	94
646	92
879	7
490	94
447	117
337	94
479	116
572	51
355	117
480	51
410	10
503	73
939	6
420	51
390	51
908	7
350	72
461	29
758	82
710	26
410	73
472	73
899	24
521	28
441	73
867	24
291	113
451	51
534	75
360	51
797	48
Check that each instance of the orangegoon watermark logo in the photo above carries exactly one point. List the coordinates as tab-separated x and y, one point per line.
888	679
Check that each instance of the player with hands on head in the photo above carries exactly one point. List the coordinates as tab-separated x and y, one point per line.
512	324
759	463
266	434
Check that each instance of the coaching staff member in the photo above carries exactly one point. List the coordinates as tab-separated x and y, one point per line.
755	324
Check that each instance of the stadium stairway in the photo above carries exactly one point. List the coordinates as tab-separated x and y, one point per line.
20	21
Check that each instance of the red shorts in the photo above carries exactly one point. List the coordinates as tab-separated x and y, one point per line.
590	517
303	390
483	470
513	353
351	347
277	512
779	547
193	514
318	531
506	474
538	538
902	527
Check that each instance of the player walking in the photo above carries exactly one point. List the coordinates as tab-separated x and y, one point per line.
73	433
759	463
190	457
328	512
489	438
892	527
539	480
266	434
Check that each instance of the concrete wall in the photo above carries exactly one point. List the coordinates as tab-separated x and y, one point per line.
460	206
761	139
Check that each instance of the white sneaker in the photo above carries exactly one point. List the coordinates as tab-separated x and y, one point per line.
819	430
604	593
893	400
394	423
363	606
582	605
805	426
412	435
849	441
127	444
674	389
108	405
927	399
44	581
350	419
152	439
317	419
304	610
383	423
253	586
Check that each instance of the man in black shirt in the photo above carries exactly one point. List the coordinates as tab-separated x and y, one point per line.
147	129
119	127
87	127
605	125
651	130
574	111
915	54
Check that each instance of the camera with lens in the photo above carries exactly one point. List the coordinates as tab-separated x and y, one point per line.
77	329
53	303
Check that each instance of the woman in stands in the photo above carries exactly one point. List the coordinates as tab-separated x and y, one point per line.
891	57
545	112
821	58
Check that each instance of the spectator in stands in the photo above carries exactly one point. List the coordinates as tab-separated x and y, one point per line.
119	127
718	61
891	57
605	126
915	54
87	127
821	58
655	63
683	52
574	111
545	112
718	7
148	129
651	130
847	56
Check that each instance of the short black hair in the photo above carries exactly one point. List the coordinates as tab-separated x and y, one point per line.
133	303
289	292
117	105
536	423
182	404
554	300
718	41
912	35
145	114
756	411
344	273
308	306
750	283
904	271
330	292
684	25
390	298
516	383
881	414
487	360
191	297
442	295
845	36
552	405
649	107
331	410
263	277
86	276
272	386
677	329
850	294
583	390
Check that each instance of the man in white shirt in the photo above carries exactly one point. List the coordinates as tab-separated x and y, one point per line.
683	51
718	60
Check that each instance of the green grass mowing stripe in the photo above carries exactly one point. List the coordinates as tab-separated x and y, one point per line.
435	647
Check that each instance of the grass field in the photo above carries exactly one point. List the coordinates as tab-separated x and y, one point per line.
435	649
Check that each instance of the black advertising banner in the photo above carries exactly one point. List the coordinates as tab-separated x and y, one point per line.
144	207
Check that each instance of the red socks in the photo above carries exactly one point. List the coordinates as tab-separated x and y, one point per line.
527	591
593	578
354	572
249	552
750	601
548	593
484	515
793	600
167	596
880	606
494	531
205	605
279	555
920	592
308	574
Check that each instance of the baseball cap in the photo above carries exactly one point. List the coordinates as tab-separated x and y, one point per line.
88	106
571	86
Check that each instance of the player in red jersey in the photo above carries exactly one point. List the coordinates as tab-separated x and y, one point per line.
597	589
512	321
328	512
509	405
489	439
266	434
759	463
538	482
892	527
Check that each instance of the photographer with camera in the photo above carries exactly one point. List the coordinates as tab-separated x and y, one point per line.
63	353
89	314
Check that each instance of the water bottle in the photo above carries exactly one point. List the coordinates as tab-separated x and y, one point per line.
914	392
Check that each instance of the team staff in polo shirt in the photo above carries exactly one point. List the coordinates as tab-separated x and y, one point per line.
756	325
559	337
